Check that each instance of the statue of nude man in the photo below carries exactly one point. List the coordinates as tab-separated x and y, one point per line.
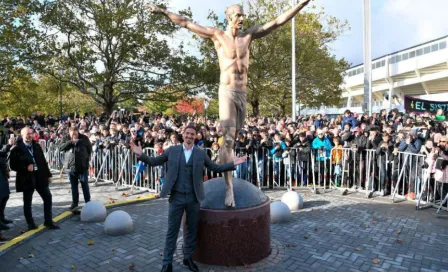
233	47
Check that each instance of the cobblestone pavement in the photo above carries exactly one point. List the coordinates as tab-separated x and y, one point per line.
331	233
62	199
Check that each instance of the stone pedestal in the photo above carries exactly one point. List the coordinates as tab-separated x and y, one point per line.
233	236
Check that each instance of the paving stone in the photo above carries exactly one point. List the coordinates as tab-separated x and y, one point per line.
335	227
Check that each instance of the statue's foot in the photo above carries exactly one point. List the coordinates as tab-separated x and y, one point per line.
230	200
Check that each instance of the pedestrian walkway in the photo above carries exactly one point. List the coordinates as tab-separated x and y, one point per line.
331	233
62	199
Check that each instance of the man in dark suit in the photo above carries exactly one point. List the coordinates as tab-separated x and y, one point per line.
28	160
4	187
184	184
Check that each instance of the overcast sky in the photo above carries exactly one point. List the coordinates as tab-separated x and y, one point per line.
396	24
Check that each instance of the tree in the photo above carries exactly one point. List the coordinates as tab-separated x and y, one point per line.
15	32
29	95
111	50
190	106
162	100
269	78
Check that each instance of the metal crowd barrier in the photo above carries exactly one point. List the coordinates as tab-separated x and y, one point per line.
344	169
355	170
407	175
434	189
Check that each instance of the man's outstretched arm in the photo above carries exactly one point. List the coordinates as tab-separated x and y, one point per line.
261	31
182	21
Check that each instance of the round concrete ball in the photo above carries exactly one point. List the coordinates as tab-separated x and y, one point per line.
293	200
118	223
93	211
280	213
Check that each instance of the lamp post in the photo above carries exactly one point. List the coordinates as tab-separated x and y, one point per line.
61	72
293	72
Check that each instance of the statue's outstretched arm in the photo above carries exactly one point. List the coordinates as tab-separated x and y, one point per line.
203	31
261	31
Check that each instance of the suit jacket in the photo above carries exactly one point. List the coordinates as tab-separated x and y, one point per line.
200	159
20	158
4	172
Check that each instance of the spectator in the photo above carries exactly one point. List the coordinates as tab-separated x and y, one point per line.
77	150
440	116
276	152
348	118
411	145
322	147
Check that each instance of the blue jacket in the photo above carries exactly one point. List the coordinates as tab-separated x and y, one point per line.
318	123
349	119
274	150
414	147
318	144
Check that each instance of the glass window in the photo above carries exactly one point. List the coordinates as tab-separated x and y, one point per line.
411	54
426	50
378	64
362	69
392	59
398	58
373	66
442	45
419	52
359	71
383	63
405	56
434	47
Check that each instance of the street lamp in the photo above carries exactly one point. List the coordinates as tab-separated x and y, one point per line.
61	72
293	59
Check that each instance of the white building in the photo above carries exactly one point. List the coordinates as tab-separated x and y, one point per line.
419	71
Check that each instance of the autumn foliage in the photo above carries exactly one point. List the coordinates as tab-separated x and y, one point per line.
190	106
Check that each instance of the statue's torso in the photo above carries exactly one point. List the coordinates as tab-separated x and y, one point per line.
233	57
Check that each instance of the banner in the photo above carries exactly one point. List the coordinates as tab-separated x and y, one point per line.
413	104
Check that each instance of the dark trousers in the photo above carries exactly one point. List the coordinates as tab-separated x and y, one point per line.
178	203
74	179
45	194
3	201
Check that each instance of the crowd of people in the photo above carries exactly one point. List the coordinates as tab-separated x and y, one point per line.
282	142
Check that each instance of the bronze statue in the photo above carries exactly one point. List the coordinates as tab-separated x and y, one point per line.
233	47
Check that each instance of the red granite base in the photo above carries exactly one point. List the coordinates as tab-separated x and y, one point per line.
233	237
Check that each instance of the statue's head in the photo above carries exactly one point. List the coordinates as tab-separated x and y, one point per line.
235	16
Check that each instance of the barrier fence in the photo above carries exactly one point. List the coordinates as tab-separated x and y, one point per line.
374	172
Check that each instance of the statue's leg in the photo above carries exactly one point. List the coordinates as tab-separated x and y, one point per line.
226	156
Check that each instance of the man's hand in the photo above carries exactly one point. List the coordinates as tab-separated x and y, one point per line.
137	149
239	160
154	9
30	168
